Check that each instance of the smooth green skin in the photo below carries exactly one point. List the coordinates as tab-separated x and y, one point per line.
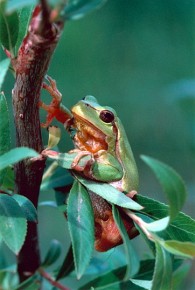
116	165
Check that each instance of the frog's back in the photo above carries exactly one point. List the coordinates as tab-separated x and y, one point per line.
130	177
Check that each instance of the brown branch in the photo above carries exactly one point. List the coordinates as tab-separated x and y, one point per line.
51	280
30	67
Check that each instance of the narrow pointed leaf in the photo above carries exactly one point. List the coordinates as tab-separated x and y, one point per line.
158	225
13	224
8	179
185	249
163	270
179	276
181	229
27	207
79	8
172	185
4	131
131	256
13	5
9	24
4	126
110	193
49	203
142	283
15	155
32	283
145	273
53	253
81	226
4	65
25	14
120	285
59	178
54	136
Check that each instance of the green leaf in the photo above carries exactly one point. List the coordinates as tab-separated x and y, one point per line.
179	276
15	155
4	66
27	207
142	283
4	125
131	256
158	225
4	131
32	283
53	253
110	193
67	265
9	24
145	273
120	285
171	183
79	8
81	226
49	203
185	249
106	281
9	280
13	5
8	179
61	199
181	229
59	178
163	270
24	19
13	224
54	136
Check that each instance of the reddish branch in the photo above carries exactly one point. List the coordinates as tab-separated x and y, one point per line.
51	280
30	67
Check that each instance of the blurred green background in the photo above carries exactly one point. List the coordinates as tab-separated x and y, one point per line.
137	56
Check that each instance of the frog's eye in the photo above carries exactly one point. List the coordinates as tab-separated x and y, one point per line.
107	116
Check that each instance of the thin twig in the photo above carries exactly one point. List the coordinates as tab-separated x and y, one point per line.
51	280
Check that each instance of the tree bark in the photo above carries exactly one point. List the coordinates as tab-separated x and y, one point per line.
30	68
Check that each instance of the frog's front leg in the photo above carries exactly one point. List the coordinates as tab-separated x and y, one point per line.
77	163
55	109
101	166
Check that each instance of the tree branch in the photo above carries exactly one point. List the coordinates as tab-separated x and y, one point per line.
51	280
30	67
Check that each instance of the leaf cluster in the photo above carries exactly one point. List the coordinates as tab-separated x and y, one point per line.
169	233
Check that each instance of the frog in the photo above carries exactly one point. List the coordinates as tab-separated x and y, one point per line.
97	132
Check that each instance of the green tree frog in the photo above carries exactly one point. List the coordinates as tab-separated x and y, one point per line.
98	133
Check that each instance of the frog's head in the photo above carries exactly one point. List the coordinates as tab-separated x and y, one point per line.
95	126
91	113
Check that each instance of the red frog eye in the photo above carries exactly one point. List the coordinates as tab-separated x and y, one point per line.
107	116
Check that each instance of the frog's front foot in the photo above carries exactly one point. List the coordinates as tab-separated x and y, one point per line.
50	153
53	109
80	163
52	89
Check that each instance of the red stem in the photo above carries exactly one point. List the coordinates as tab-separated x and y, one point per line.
51	280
